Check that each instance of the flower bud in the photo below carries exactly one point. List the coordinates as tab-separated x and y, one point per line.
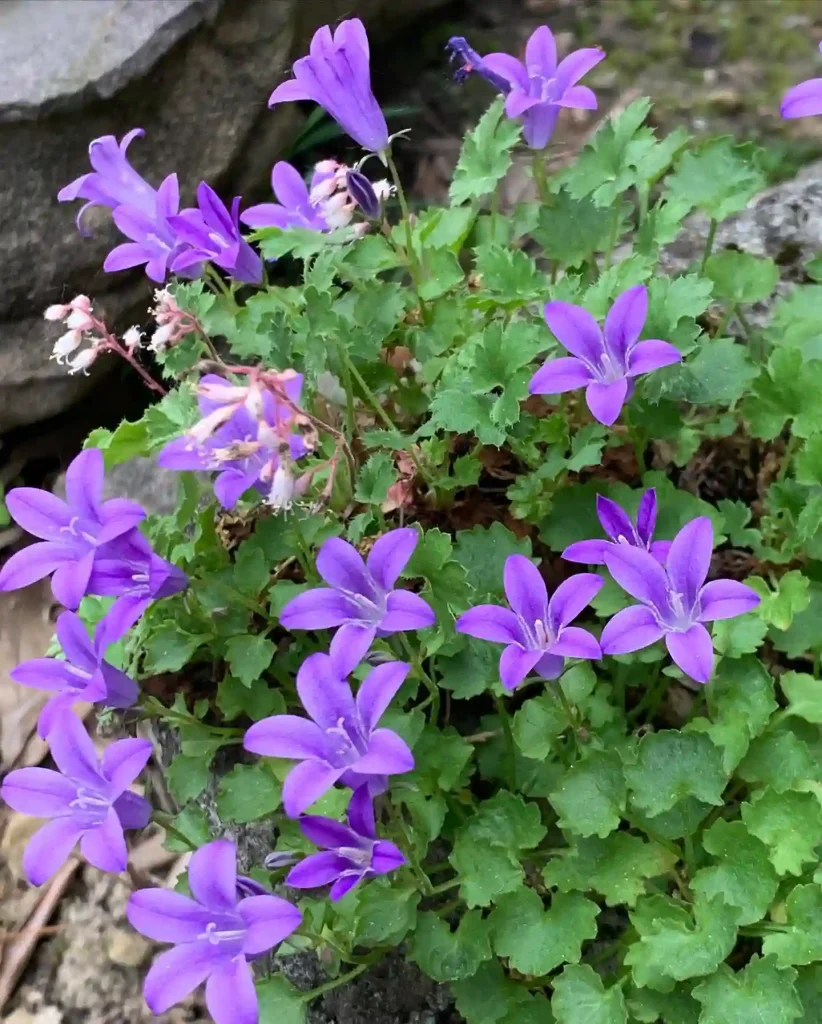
83	361
326	167
81	303
79	320
338	211
280	860
362	192
65	345
57	312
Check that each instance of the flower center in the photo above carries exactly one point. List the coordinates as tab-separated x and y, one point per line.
372	612
215	935
362	858
681	618
91	806
347	744
76	531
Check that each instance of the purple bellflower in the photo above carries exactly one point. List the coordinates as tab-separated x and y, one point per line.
337	75
130	570
362	192
293	208
71	532
604	362
537	633
803	100
84	674
214	935
360	595
538	88
472	64
353	854
341	741
619	527
242	454
213	233
88	800
113	182
676	600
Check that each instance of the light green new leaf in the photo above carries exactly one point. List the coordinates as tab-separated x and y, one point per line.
804	695
673	765
450	956
740	277
581	998
537	724
791	596
802	941
744	877
485	156
789	824
761	991
590	798
536	940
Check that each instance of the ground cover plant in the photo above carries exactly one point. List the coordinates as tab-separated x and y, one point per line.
510	697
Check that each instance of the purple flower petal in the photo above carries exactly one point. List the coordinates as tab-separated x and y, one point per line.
57	706
305	784
571	596
69	584
48	674
659	549
388	754
490	622
40	792
40	513
578	97
525	588
606	400
269	920
120	690
646	516
377	691
406	611
212	876
74	753
341	566
577	64
49	848
630	630
361	807
509	68
287	185
348	647
577	643
541	53
325	696
515	663
104	847
327	833
176	973
345	884
386	857
559	375
803	100
291	91
316	870
648	356
538	125
230	994
693	652
390	555
689	558
166	916
576	330
123	761
625	320
639	574
318	609
75	641
285	736
232	484
615	521
550	666
33	563
134	811
725	599
587	552
84	483
519	102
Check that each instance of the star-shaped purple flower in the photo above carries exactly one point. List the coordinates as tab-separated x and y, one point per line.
293	208
676	601
212	233
341	741
128	568
803	100
84	674
235	450
360	596
71	532
214	935
87	799
619	527
353	852
605	363
337	75
537	633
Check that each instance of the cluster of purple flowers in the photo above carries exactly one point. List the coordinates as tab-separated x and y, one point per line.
667	578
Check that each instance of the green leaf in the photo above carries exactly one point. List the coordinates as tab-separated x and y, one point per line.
482	552
487	848
443	272
801	942
374	479
188	777
280	1002
718	178
784	392
740	277
537	724
191	823
450	956
441	756
734	638
761	991
509	275
674	1007
485	156
617	867
536	940
674	945
590	798
251	570
744	877
804	695
471	671
385	915
570	230
673	765
490	995
170	648
719	374
581	998
789	824
779	606
457	409
809	988
257	701
249	656
803	635
247	793
780	759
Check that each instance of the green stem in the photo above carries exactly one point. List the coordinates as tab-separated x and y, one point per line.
709	243
508	736
572	718
539	175
220	285
690	854
349	392
613	237
414	265
416	663
329	986
657	685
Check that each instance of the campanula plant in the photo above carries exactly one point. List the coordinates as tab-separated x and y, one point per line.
490	602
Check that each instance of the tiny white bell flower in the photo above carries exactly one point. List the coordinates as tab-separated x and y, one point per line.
57	312
132	339
65	345
83	361
79	320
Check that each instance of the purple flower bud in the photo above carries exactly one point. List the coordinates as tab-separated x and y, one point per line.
362	192
280	860
471	63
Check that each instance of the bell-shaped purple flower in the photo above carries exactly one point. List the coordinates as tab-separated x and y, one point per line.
341	740
71	532
360	596
676	600
113	182
84	674
213	234
240	453
353	853
130	570
337	75
293	208
88	800
362	192
803	100
215	934
605	363
537	632
618	525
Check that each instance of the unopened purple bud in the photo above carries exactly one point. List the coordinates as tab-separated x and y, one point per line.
280	860
246	886
471	63
362	192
